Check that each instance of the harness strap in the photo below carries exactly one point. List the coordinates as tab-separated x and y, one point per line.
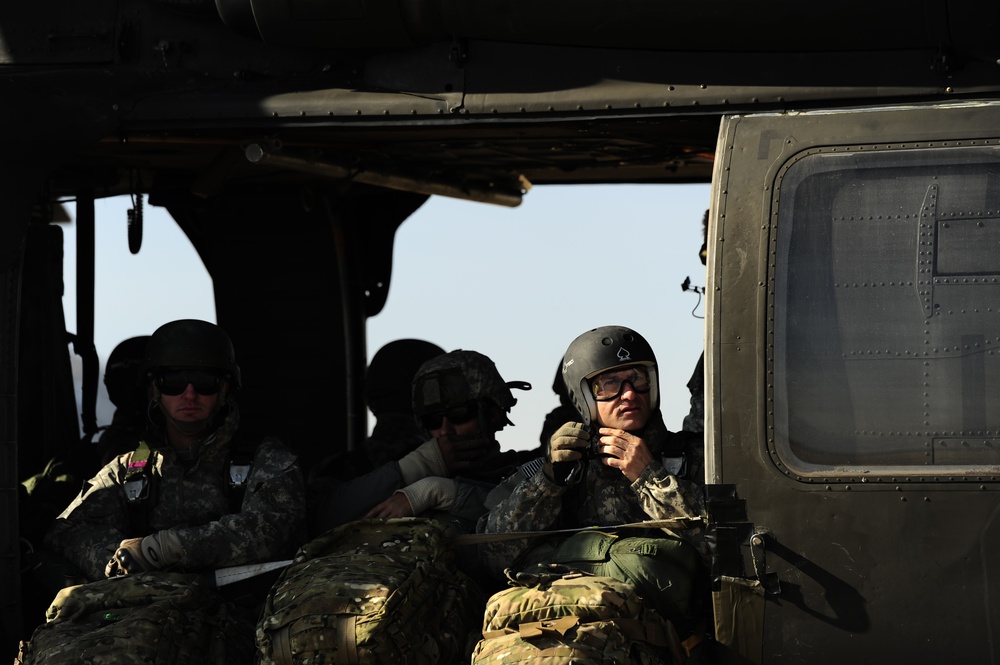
667	525
281	645
347	646
139	488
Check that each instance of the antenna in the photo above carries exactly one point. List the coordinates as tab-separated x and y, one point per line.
686	286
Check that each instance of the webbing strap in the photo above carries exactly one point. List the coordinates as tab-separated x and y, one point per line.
477	538
138	488
139	461
555	627
347	644
281	646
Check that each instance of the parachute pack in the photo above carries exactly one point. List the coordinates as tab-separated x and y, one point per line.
564	617
667	572
377	591
148	618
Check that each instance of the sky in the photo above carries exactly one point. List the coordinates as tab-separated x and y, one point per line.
517	284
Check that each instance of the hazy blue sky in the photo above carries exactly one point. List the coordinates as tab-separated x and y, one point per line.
517	284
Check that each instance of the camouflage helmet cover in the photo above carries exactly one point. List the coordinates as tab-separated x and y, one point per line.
190	343
458	377
600	350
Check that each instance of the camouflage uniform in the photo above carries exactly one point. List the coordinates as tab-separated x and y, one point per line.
442	382
190	508
603	496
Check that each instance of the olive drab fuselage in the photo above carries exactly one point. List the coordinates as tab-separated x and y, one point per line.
851	327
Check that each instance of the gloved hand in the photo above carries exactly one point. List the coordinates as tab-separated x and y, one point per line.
566	449
135	555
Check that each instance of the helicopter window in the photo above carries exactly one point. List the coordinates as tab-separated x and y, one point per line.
135	293
886	323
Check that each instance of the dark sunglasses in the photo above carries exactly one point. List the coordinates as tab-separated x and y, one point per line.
456	415
175	382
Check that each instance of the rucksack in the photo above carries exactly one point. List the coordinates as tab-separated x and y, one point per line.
148	618
383	591
565	617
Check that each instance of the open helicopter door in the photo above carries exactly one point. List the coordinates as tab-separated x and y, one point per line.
853	384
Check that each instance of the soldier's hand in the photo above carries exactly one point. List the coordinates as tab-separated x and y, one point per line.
396	505
135	555
624	451
566	448
462	453
568	443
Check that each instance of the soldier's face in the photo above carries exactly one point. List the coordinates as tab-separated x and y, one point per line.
462	422
189	406
628	411
464	430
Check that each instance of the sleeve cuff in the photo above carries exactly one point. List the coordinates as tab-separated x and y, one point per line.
430	494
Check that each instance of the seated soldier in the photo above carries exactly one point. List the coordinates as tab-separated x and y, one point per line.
388	388
128	393
618	465
195	494
462	401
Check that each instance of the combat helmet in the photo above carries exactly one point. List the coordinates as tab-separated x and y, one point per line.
389	379
459	377
121	373
190	343
600	350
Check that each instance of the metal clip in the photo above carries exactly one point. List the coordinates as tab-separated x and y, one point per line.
136	489
238	474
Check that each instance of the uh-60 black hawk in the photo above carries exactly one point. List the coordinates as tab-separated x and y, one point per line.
853	319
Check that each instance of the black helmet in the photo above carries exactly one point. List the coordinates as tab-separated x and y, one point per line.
190	343
458	377
121	372
600	350
389	379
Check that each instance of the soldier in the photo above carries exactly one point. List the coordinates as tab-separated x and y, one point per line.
460	399
128	393
388	388
619	464
195	494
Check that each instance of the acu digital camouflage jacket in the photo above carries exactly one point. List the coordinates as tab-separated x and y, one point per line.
191	503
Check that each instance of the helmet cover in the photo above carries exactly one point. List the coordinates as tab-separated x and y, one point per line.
190	343
456	378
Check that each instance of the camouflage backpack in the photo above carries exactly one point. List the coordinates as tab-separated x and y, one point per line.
149	618
567	617
372	591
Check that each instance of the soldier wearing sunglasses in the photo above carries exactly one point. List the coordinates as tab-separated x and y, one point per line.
461	401
195	494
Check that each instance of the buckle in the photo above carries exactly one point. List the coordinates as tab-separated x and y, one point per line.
238	474
136	489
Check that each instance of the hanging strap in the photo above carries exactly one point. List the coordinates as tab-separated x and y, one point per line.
139	488
668	525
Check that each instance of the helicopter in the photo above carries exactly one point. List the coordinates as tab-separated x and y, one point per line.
851	325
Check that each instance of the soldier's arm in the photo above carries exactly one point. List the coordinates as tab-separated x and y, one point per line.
534	504
664	496
88	531
270	525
